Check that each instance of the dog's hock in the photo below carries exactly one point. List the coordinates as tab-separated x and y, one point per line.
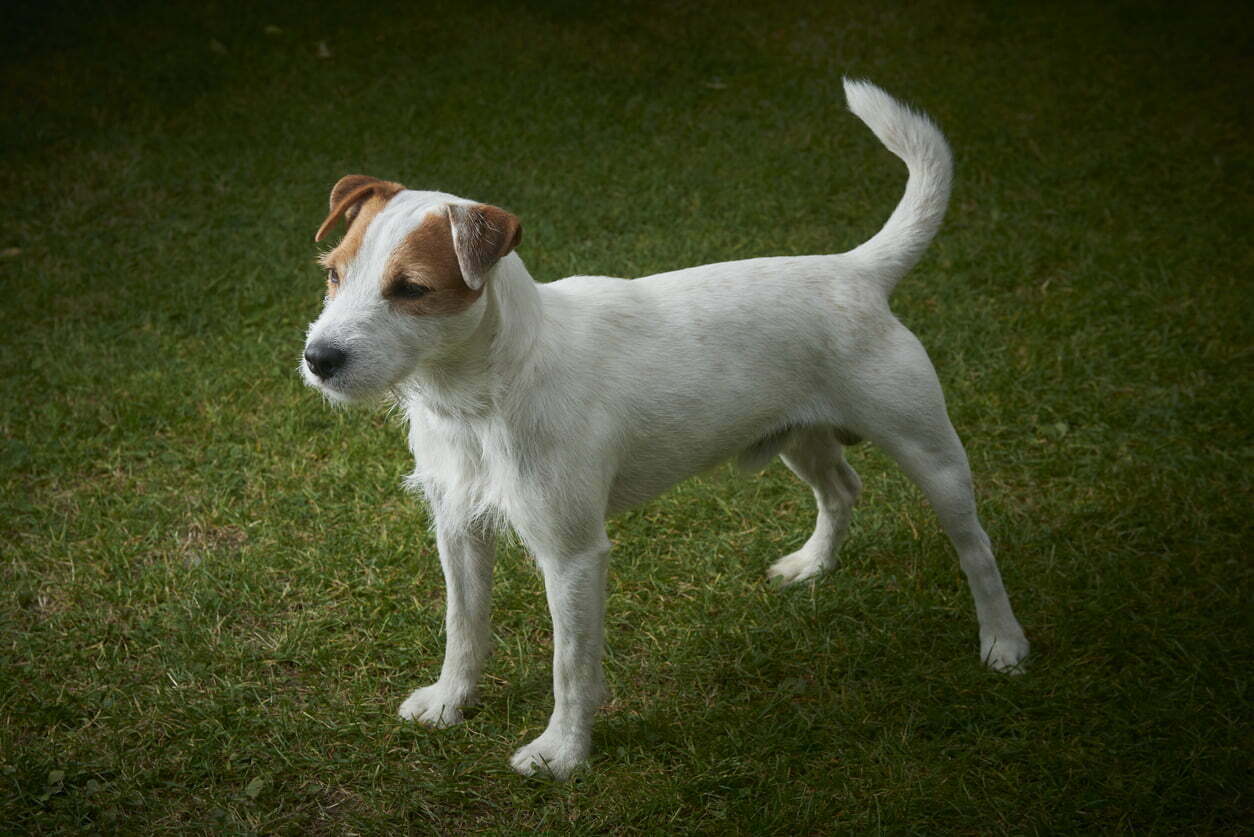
482	236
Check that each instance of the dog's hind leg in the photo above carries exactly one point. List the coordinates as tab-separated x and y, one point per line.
905	415
816	456
939	466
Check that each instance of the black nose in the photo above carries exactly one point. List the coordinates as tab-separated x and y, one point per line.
324	359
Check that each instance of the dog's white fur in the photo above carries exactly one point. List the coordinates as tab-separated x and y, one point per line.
547	408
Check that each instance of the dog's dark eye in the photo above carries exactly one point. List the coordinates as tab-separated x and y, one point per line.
409	290
333	276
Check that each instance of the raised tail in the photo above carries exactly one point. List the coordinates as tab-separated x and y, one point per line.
914	138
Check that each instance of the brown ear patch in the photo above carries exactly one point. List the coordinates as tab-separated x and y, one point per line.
426	260
348	195
350	183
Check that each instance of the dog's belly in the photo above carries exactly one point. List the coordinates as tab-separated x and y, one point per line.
653	462
636	484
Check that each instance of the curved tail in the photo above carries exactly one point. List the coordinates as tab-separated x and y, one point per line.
914	138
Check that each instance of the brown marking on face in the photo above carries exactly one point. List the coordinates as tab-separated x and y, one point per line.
426	259
357	198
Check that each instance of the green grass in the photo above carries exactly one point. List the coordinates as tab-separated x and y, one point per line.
214	593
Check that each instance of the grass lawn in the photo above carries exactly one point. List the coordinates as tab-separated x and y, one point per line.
214	593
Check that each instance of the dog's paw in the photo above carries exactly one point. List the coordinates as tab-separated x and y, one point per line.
1006	653
802	565
434	706
552	755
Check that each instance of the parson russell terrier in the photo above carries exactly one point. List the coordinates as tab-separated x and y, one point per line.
546	408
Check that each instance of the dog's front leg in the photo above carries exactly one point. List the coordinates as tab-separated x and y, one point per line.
574	581
467	554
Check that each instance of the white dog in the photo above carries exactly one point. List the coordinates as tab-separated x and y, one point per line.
547	408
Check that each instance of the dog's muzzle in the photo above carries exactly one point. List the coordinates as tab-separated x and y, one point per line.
324	359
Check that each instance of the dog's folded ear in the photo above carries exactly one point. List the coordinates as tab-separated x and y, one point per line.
482	236
348	194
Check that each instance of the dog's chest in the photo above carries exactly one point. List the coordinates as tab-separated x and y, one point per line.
461	464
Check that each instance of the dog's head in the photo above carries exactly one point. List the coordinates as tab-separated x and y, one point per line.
404	284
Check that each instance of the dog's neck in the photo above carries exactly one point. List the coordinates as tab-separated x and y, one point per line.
473	379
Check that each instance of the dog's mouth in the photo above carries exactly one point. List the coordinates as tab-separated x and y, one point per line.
332	389
344	386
